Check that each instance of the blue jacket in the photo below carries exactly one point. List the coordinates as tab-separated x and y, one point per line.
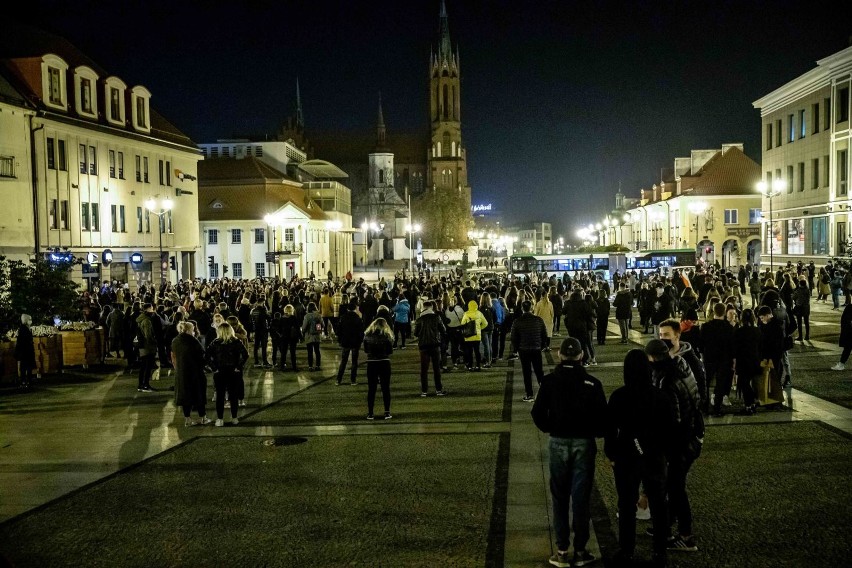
499	314
402	311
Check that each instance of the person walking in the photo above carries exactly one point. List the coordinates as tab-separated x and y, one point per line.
350	334
845	338
528	336
578	315
312	332
571	408
147	348
602	313
429	330
227	356
640	419
675	378
378	345
187	357
543	308
623	303
472	321
25	351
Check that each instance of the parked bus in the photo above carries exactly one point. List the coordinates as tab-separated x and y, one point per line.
559	264
663	260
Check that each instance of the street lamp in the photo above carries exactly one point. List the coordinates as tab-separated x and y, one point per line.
778	186
411	229
697	208
364	259
334	226
165	205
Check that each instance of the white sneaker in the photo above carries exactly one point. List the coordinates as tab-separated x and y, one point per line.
839	367
242	403
220	422
725	401
235	421
643	514
204	421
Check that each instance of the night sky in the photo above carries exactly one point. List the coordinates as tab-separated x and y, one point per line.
560	100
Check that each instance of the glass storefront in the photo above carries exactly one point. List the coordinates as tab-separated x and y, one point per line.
819	235
796	236
774	234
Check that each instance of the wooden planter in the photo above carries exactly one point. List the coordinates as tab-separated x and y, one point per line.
48	354
8	363
82	347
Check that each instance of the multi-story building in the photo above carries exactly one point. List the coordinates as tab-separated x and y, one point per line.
806	144
707	202
282	156
89	163
532	238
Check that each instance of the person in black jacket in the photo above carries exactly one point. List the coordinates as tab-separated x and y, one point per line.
673	337
429	330
578	314
717	335
571	407
350	334
528	337
378	345
602	312
227	356
623	303
640	419
747	342
25	351
260	323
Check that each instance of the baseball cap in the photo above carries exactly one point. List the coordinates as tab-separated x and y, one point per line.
656	348
570	347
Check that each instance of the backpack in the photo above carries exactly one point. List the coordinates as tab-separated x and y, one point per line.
488	312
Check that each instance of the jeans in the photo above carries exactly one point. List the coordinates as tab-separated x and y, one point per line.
624	326
651	472
485	347
430	355
679	508
401	329
313	349
378	372
755	300
344	358
835	298
530	360
572	475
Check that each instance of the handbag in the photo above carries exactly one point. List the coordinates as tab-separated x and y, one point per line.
469	329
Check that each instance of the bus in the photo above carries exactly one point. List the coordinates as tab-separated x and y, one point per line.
559	264
663	260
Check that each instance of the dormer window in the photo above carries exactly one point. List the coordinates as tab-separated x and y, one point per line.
54	89
85	80
140	97
114	90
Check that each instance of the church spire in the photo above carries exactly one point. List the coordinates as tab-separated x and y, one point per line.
445	51
300	120
380	126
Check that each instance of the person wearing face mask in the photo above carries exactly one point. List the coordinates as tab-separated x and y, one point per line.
672	336
662	307
674	376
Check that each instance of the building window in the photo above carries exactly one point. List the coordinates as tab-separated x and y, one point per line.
145	169
214	270
815	118
121	165
96	217
160	169
731	216
802	125
791	127
114	218
83	168
259	270
213	237
226	152
115	104
53	214
84	216
112	163
289	237
141	113
796	236
7	166
121	218
259	236
778	133
789	179
138	219
237	270
63	214
843	105
842	172
169	222
51	158
236	236
815	173
841	238
63	161
258	151
769	136
138	168
54	77
93	161
86	95
168	173
754	216
147	221
801	176
825	172
819	235
161	223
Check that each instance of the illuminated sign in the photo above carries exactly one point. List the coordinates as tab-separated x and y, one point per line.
106	257
91	258
481	208
136	258
60	257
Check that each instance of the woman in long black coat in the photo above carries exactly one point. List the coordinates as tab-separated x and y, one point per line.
190	381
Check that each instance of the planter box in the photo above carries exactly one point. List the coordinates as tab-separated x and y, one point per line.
82	347
48	354
8	363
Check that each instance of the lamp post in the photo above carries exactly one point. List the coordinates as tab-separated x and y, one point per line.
378	228
165	205
697	208
777	187
271	220
411	229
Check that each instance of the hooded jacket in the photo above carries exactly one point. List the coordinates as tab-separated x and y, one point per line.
473	314
402	311
146	335
674	377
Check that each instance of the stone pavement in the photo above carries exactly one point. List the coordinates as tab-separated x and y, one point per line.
75	430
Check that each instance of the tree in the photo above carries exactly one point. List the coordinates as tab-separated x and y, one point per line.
446	218
40	288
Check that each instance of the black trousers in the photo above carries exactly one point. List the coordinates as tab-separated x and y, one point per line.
401	329
498	341
804	319
260	340
230	382
289	346
530	361
430	355
344	358
651	472
147	364
724	376
679	508
378	372
313	349
201	408
471	348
